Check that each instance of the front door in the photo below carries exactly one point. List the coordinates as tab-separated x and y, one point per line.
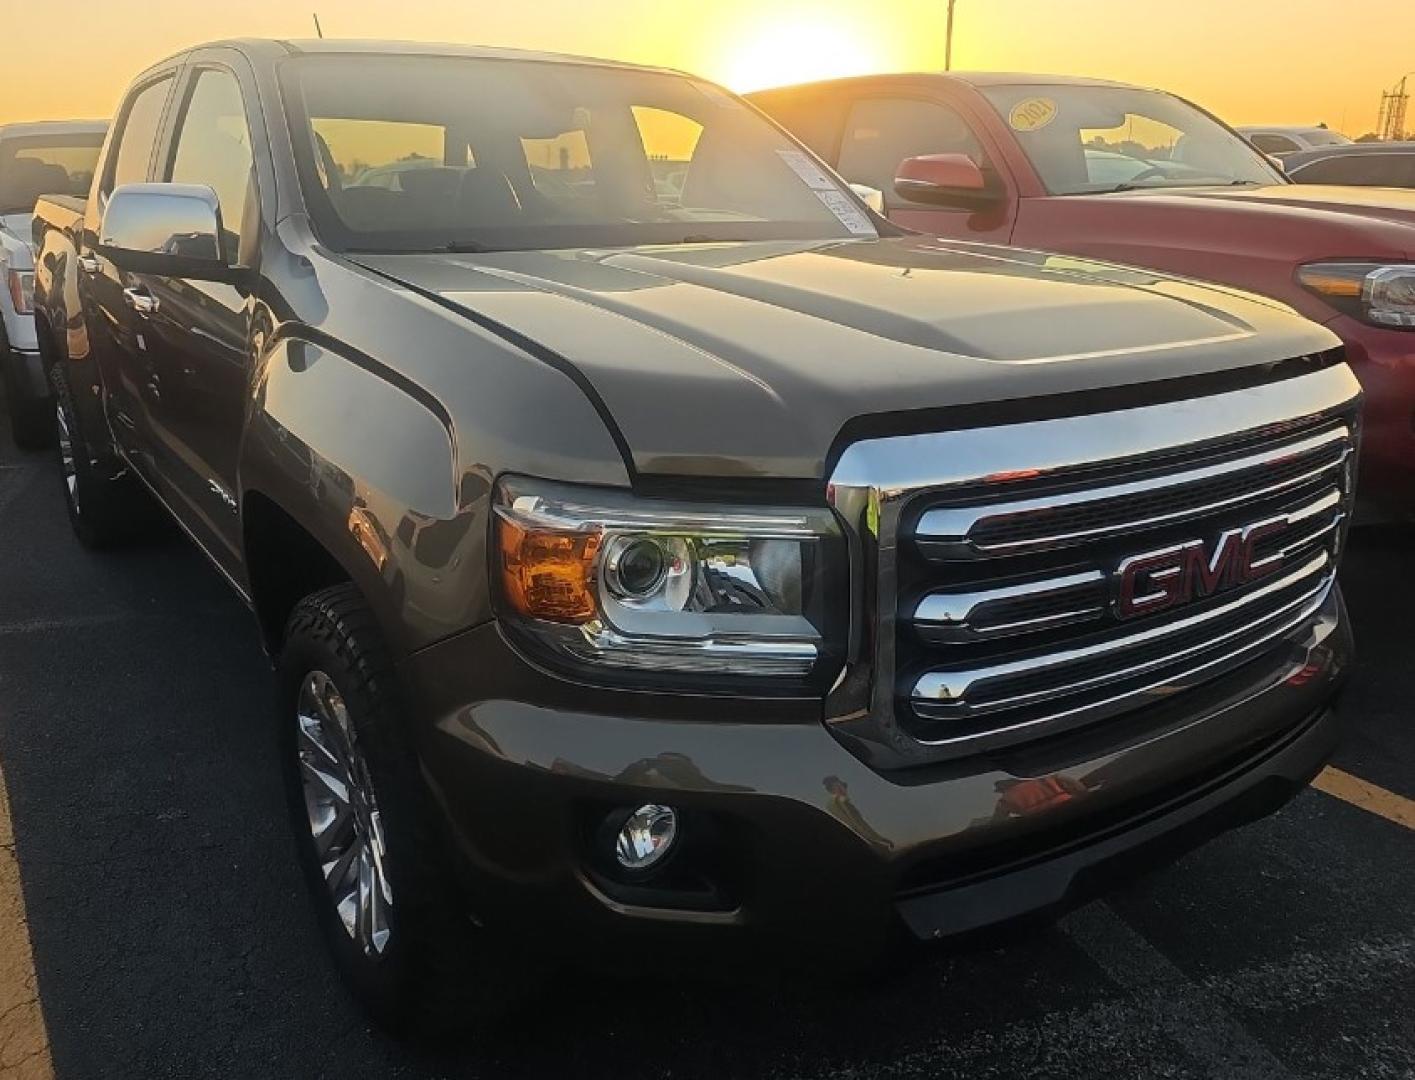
122	301
200	331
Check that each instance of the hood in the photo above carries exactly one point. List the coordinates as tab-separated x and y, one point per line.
748	359
1385	204
1325	221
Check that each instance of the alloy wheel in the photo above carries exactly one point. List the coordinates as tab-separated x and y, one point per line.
343	814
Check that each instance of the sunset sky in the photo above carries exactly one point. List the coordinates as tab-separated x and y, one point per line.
1274	61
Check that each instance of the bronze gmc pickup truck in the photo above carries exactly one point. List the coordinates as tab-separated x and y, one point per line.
655	545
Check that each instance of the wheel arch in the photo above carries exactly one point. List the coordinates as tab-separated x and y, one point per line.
343	472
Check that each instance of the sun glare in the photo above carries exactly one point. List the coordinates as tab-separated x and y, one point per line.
798	50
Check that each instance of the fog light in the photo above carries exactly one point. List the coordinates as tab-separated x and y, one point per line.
646	837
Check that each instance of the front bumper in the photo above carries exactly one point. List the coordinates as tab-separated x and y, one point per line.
1384	362
810	844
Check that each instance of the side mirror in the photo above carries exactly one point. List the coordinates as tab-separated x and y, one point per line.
945	180
168	229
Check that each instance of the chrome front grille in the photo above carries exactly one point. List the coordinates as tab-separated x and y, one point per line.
1000	609
1068	518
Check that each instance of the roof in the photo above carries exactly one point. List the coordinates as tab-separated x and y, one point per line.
394	47
54	127
1282	129
972	78
1365	149
1016	78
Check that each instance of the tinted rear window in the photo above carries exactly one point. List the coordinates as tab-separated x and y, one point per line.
31	166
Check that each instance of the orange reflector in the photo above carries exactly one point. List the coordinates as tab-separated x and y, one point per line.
1331	284
547	575
1011	476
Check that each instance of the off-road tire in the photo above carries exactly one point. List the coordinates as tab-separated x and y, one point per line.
434	955
107	506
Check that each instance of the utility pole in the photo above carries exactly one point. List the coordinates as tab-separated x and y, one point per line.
948	39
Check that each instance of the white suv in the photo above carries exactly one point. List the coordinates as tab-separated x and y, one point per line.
1279	140
48	158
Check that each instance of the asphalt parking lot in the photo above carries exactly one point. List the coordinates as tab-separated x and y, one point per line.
171	936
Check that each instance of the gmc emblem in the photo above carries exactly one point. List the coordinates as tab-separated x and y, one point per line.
1178	575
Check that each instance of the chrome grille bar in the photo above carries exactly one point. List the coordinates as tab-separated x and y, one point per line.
994	612
1170	682
951	532
953	689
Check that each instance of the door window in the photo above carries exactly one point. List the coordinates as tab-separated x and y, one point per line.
1274	144
139	133
214	148
1378	170
882	132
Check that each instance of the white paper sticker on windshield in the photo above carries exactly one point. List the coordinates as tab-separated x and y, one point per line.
850	215
808	170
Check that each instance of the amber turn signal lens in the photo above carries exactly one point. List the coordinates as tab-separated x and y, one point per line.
548	575
1330	284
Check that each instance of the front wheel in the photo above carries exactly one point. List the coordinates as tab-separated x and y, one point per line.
363	823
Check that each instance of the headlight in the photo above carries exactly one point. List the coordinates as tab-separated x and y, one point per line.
614	582
1380	294
21	283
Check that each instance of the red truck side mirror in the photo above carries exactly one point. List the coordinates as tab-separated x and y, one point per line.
945	180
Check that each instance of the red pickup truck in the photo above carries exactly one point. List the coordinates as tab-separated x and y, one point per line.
1130	175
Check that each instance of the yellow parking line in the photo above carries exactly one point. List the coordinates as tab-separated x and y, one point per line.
1367	796
24	1044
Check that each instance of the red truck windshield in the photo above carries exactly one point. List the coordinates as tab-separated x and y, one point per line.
1088	139
430	153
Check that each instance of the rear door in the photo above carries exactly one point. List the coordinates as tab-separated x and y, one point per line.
200	330
122	331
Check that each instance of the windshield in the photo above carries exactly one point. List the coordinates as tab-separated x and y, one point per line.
431	153
1324	137
1088	139
31	166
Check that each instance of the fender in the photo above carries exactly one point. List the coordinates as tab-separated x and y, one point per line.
390	510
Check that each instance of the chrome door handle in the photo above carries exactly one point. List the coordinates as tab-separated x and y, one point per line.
88	264
144	303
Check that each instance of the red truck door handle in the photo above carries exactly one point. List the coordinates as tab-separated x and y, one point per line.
140	300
